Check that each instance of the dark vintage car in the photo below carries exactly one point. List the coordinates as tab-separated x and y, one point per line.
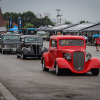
68	53
30	46
9	42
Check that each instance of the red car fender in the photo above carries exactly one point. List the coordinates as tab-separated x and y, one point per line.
92	63
63	63
47	58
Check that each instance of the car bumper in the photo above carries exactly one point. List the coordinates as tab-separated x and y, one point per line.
33	55
9	49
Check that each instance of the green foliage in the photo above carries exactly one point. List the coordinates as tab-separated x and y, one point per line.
28	17
28	25
37	22
68	22
83	21
6	25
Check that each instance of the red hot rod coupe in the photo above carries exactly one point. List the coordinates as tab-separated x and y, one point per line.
69	52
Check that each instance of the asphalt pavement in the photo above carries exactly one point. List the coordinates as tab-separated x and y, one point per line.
25	80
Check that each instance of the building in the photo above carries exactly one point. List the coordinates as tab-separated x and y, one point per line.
3	22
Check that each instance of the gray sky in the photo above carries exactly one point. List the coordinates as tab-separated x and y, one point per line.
71	10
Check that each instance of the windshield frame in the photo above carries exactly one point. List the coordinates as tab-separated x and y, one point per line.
73	43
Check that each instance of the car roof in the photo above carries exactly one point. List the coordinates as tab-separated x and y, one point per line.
59	37
11	34
25	36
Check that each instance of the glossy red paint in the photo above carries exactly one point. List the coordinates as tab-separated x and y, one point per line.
55	55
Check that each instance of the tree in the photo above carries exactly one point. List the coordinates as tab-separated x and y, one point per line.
27	17
28	25
6	25
83	21
46	21
68	22
37	22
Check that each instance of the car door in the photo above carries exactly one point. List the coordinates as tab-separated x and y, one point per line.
53	50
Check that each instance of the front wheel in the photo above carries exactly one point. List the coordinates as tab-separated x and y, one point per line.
57	70
18	56
43	66
23	56
95	71
3	52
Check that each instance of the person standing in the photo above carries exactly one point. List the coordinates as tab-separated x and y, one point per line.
97	39
59	33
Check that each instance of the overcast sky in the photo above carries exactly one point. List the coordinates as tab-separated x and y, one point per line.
71	10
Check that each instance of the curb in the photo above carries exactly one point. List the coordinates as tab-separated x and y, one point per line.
6	94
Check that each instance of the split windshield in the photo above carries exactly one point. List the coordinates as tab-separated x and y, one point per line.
71	42
12	38
32	39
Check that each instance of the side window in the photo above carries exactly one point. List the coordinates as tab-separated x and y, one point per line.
53	43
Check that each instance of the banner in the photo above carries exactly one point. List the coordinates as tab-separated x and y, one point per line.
19	24
10	23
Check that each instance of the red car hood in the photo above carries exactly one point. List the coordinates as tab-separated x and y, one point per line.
72	49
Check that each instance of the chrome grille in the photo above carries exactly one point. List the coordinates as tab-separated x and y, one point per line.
78	60
13	45
36	49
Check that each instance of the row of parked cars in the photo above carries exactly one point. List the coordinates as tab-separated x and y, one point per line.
23	45
65	53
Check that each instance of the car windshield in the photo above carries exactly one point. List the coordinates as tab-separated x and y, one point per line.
71	42
12	38
33	39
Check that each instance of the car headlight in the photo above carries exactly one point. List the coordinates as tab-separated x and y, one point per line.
29	49
6	46
67	56
42	49
88	56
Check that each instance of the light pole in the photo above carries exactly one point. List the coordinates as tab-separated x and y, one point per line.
58	16
60	19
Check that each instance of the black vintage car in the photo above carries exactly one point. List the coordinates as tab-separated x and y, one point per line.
30	46
9	42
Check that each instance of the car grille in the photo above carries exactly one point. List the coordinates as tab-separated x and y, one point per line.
78	60
13	45
36	49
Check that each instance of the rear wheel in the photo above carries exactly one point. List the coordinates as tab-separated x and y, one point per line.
95	71
43	66
57	70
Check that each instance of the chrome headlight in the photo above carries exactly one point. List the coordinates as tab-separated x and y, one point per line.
67	56
6	46
88	56
29	49
42	49
40	46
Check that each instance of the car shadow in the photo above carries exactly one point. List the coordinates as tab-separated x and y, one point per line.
32	58
64	73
